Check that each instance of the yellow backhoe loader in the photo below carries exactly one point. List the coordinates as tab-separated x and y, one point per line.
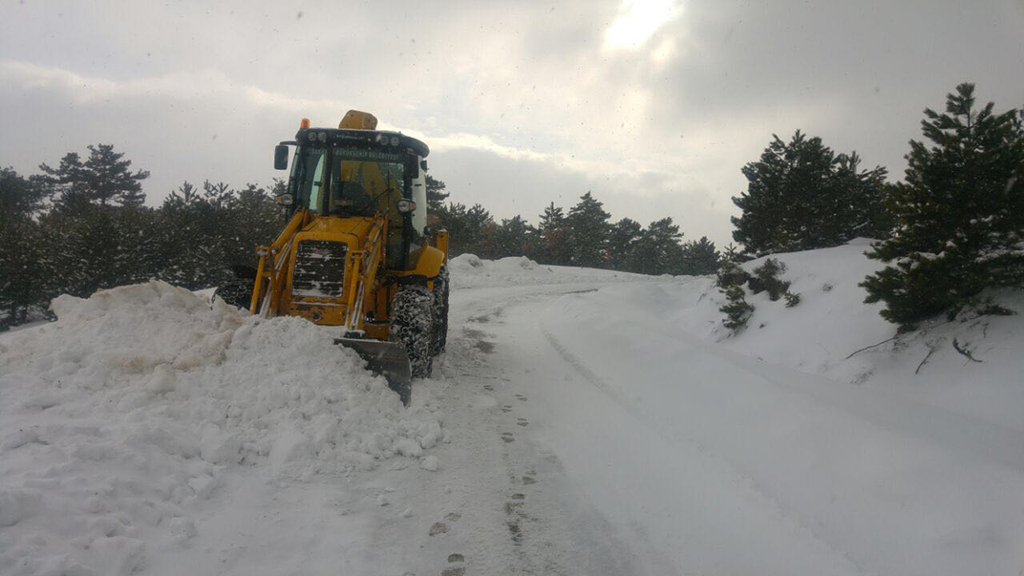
357	255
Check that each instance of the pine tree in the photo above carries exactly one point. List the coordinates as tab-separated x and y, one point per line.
470	229
959	214
102	179
512	237
622	245
701	257
196	230
552	235
658	250
801	195
21	199
734	255
97	247
436	194
587	236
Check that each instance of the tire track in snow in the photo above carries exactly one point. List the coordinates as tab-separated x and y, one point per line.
744	482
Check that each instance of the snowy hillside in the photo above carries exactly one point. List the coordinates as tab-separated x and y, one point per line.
581	422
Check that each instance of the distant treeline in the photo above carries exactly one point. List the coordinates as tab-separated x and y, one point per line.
952	228
83	226
583	236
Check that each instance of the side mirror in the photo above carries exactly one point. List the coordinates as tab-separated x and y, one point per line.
280	157
285	199
423	164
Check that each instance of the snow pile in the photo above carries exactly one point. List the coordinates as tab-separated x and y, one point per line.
133	410
470	271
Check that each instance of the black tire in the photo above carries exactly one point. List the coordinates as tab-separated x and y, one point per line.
412	324
441	290
237	292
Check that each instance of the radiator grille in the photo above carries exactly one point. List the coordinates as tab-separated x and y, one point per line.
319	269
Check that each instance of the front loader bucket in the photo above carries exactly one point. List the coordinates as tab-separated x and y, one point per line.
387	358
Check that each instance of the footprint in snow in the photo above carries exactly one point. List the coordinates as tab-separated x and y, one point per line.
454	570
453	517
530	477
506	408
507	436
522	422
521	398
518	496
438	528
488	387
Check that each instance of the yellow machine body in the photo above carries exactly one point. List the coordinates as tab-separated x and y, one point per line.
336	262
368	287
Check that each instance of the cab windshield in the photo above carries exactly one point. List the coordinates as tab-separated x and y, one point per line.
349	181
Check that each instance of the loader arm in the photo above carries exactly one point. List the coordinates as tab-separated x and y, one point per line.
271	272
365	264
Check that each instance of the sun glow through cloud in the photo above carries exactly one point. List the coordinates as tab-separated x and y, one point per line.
638	20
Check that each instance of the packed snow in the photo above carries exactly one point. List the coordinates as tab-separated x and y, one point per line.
581	422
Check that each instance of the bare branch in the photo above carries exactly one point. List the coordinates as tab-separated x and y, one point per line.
869	347
965	352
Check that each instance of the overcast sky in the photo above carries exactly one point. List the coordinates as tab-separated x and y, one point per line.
653	105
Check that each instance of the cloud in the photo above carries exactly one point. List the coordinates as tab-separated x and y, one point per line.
638	20
654	105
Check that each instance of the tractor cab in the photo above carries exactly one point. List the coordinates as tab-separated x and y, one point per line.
356	172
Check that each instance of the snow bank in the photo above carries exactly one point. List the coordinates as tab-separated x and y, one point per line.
128	414
470	271
904	458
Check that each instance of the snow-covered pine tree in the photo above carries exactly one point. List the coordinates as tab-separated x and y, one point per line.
959	214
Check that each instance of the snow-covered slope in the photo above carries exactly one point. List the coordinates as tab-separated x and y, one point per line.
831	322
142	405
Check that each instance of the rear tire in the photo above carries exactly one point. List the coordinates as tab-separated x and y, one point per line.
412	324
441	289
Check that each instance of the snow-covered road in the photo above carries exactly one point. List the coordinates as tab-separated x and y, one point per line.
588	438
581	422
